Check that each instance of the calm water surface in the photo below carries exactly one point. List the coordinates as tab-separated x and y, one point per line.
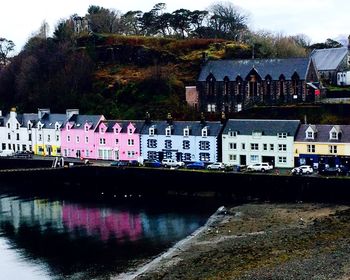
42	238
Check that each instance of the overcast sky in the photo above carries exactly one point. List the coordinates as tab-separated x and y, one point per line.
318	19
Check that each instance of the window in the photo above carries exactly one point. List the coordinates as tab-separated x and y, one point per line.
40	137
243	146
86	139
186	132
282	147
282	159
116	141
58	151
30	148
87	153
211	107
102	141
232	157
168	154
130	142
168	131
9	136
204	132
204	145
272	147
187	157
40	127
48	138
309	135
333	149
254	158
254	146
168	144
151	143
57	138
186	144
57	127
86	128
24	147
3	146
265	147
130	130
232	146
232	133
282	135
68	138
8	125
204	156
116	130
151	131
17	125
30	126
78	139
131	154
310	148
102	130
30	137
17	136
9	146
334	135
151	155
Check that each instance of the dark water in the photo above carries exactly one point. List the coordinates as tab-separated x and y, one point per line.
57	238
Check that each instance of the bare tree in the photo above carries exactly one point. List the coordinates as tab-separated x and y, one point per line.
6	46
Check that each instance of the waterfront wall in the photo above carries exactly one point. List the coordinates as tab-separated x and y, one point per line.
111	181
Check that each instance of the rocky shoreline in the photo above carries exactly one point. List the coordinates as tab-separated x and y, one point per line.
261	241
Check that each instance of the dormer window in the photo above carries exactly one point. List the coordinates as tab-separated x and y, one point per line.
151	131
57	127
334	135
8	125
282	135
186	131
40	126
168	131
86	128
310	132
116	130
30	126
130	130
204	132
256	134
232	133
102	130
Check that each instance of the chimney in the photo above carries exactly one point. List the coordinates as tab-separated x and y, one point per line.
305	119
71	112
169	119
223	118
202	119
147	118
13	113
42	112
349	42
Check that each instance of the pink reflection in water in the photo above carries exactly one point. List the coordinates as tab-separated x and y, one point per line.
122	225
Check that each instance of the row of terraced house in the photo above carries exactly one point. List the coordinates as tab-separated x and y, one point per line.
283	143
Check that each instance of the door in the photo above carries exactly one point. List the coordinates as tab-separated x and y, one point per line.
78	154
116	155
242	160
49	150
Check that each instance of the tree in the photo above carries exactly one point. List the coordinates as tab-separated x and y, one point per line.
103	20
326	45
228	21
6	47
130	22
180	22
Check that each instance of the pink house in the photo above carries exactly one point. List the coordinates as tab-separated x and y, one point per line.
118	140
77	135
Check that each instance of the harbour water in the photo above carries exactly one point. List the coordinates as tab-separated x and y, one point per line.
50	237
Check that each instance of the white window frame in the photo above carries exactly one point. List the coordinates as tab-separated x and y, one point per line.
186	132
131	142
333	149
204	132
282	135
151	131
168	131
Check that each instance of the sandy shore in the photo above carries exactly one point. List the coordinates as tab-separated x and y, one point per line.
261	241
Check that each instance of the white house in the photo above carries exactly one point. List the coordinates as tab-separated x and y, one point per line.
16	132
248	141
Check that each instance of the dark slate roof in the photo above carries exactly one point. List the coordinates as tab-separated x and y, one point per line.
78	121
49	120
266	127
322	134
24	118
328	59
273	67
124	124
214	128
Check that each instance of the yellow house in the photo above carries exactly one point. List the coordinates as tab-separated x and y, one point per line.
322	144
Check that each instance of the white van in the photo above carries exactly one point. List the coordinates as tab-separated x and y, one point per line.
172	163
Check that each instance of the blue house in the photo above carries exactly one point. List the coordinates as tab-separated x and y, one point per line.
186	141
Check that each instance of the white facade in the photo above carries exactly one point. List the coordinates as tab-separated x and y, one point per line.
343	78
243	148
15	135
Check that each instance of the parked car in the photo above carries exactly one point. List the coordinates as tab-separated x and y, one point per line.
133	163
6	153
119	163
23	154
340	170
303	169
262	167
152	163
168	162
216	166
196	165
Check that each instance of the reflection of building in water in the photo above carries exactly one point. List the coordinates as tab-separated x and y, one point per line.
38	211
121	225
